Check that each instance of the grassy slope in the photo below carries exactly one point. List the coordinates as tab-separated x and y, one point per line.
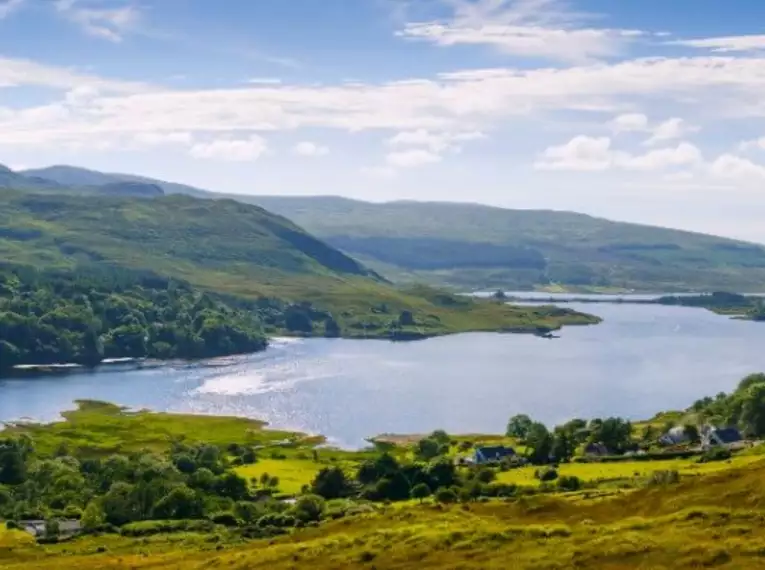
710	521
229	247
581	252
715	518
577	247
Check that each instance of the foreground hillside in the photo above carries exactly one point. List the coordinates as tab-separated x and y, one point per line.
293	281
474	246
166	491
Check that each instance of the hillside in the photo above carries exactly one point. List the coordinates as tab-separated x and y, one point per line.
227	247
475	246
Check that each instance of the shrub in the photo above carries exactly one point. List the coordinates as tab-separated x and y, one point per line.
569	483
664	477
148	528
446	496
716	453
547	474
225	519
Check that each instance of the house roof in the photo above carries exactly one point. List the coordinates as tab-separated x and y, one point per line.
495	451
727	435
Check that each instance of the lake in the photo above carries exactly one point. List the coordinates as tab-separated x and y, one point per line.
642	359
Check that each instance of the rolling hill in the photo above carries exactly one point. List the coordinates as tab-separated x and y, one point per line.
239	250
475	246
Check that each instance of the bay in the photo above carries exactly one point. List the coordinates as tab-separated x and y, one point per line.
641	360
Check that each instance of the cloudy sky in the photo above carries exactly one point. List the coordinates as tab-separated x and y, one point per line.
640	110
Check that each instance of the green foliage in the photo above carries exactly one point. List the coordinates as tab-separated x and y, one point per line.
331	483
469	245
519	426
309	508
539	442
546	474
50	317
420	492
745	407
716	453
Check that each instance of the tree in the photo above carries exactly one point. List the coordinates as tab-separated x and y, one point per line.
753	410
180	503
420	491
446	496
232	486
614	433
692	433
406	319
93	516
539	441
52	528
309	508
119	506
427	449
519	426
563	445
331	483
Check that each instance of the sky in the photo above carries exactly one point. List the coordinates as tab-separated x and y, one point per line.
649	111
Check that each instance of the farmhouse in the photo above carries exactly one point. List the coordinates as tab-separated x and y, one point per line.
492	453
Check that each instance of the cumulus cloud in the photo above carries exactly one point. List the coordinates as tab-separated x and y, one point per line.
436	142
412	158
232	150
726	44
736	167
539	28
99	20
597	153
671	129
307	148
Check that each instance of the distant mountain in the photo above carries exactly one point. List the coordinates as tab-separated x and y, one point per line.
74	176
476	246
11	179
223	245
131	189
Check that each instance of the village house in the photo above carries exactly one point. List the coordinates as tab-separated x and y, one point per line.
491	454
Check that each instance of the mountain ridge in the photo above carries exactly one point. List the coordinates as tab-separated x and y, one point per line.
477	246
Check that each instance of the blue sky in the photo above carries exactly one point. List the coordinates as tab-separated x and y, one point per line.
640	110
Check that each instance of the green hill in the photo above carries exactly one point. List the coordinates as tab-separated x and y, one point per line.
469	245
240	250
475	246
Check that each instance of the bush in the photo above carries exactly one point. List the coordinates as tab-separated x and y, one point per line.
547	474
446	496
664	478
716	453
569	483
225	519
148	528
651	456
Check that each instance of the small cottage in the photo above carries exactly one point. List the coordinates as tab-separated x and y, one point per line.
491	454
596	450
726	437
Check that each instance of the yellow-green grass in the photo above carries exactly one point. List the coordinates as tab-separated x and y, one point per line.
99	428
711	521
622	470
292	473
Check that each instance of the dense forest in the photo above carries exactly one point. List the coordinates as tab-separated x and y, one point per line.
84	317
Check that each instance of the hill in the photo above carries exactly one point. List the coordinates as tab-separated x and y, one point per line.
475	246
242	250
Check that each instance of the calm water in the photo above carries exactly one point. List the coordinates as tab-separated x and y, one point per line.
642	359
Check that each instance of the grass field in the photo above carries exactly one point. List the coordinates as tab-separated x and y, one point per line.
625	470
712	521
292	473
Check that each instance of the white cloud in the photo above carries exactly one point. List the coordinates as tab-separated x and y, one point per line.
156	139
670	129
411	158
436	142
307	148
757	144
726	44
232	150
540	28
593	154
264	81
736	167
630	122
7	7
108	23
22	72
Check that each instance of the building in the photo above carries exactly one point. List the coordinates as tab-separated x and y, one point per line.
37	527
676	436
596	449
492	454
727	437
